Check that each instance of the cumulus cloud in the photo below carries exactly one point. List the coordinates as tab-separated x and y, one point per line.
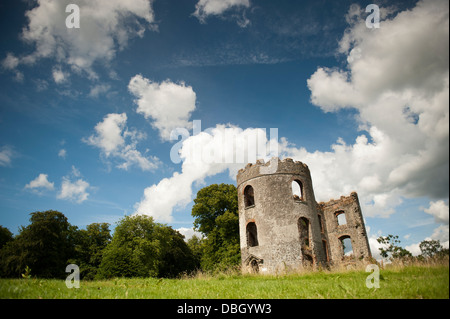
206	8
360	167
441	233
439	210
73	187
111	137
397	78
105	27
40	182
213	151
168	104
74	191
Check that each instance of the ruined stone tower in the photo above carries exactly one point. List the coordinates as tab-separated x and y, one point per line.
282	227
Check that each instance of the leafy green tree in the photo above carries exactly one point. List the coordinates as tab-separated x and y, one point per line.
45	246
217	217
197	247
176	256
392	250
5	236
133	251
90	244
432	248
142	248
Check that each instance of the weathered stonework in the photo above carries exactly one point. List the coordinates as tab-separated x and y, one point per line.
280	231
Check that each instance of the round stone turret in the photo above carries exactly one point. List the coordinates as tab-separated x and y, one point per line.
280	228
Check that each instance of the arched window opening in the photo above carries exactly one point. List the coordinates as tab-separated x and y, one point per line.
303	230
297	190
341	219
249	196
252	235
347	248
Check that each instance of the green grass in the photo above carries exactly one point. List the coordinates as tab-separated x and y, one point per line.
404	282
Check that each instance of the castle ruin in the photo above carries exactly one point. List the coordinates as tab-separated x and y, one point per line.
283	228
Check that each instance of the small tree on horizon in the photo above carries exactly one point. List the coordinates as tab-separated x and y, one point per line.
392	249
432	248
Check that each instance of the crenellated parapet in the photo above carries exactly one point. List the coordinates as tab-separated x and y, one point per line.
274	166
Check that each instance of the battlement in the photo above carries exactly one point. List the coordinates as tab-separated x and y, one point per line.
274	166
343	200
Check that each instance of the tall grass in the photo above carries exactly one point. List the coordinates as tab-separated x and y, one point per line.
396	264
424	279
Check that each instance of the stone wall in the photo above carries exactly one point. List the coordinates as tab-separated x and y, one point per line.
353	227
282	232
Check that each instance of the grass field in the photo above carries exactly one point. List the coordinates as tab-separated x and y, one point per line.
399	283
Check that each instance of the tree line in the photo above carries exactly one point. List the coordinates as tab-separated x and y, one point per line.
392	251
139	247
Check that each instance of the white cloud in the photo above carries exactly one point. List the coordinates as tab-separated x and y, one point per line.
414	249
6	155
59	76
111	136
75	171
74	188
74	191
397	78
40	182
105	27
439	210
188	233
10	62
375	247
204	154
362	167
168	104
62	153
205	8
331	91
441	233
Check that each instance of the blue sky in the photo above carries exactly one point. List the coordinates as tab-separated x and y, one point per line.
86	113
